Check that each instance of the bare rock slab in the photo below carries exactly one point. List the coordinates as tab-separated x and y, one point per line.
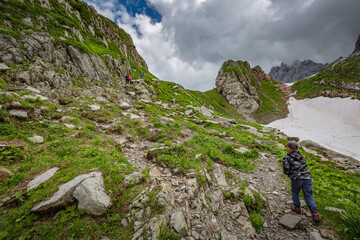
92	196
316	236
18	113
64	195
178	222
37	181
289	221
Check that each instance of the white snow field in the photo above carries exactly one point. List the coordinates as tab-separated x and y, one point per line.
331	122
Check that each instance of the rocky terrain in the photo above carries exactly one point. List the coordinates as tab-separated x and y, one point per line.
340	78
86	156
297	70
251	91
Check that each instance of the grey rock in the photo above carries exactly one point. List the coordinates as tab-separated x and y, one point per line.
205	111
296	71
92	196
271	143
178	222
3	67
34	90
227	236
219	176
124	105
165	196
101	99
188	112
64	195
165	120
36	139
133	178
154	225
38	180
94	107
242	150
316	236
289	221
18	113
71	126
192	187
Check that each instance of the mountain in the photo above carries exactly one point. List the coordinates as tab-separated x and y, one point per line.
83	155
296	71
340	78
63	43
252	92
357	45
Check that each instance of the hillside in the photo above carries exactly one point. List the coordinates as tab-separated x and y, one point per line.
341	78
85	156
252	92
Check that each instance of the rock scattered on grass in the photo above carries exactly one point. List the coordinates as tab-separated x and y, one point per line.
38	180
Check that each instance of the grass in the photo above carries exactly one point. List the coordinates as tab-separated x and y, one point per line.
330	78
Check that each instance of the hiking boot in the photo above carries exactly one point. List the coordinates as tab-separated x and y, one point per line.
316	217
296	209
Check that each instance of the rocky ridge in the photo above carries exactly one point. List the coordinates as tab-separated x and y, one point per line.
297	70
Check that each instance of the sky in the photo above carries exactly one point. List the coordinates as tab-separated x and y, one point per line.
186	41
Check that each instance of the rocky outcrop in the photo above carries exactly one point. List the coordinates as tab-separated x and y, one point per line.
238	85
5	174
94	52
357	45
296	71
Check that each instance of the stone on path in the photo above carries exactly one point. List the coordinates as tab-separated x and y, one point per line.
5	174
64	195
178	222
316	236
18	113
133	178
227	236
36	139
37	181
289	221
94	107
92	196
219	175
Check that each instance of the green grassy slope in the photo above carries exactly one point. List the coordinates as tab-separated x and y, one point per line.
332	79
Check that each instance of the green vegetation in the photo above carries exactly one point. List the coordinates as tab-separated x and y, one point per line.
331	78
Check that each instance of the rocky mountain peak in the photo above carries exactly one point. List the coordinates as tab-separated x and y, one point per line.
296	71
357	45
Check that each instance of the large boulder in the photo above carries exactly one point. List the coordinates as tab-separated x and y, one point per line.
178	222
92	196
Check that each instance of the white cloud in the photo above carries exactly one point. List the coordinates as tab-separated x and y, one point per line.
195	37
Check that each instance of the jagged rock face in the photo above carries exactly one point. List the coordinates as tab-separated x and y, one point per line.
238	84
357	45
296	71
88	48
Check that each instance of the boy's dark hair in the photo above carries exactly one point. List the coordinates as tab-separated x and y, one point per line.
293	145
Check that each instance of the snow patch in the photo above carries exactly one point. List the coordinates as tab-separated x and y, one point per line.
331	122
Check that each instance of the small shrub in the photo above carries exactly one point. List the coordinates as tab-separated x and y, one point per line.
257	221
247	200
167	234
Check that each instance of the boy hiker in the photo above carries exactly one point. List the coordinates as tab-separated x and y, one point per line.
295	166
127	78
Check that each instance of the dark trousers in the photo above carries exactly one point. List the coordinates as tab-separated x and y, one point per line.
127	81
306	186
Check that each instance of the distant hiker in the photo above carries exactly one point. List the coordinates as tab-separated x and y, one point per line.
295	166
142	75
127	78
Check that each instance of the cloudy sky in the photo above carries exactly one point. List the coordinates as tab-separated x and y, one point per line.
186	41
